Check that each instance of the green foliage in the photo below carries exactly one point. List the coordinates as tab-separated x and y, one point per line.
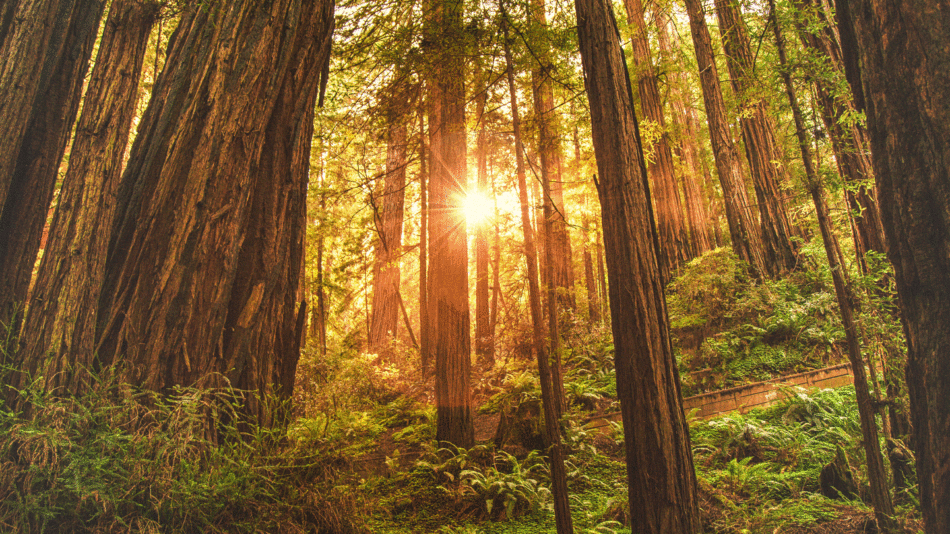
118	459
731	329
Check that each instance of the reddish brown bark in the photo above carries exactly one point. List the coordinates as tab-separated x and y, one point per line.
897	62
675	247
760	146
448	275
484	331
61	323
743	227
204	264
43	61
659	460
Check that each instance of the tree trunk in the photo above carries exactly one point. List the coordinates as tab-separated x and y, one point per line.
759	137
880	496
742	226
425	323
207	248
549	154
43	62
593	298
850	143
897	63
448	282
484	333
675	247
388	218
61	321
659	460
562	510
685	122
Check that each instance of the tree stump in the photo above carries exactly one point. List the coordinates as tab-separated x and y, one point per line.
837	479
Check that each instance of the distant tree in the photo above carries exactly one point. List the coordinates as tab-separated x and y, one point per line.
663	494
45	46
743	228
897	62
448	246
61	323
758	135
203	273
675	246
388	210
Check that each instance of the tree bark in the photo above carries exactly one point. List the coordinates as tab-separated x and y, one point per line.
659	459
760	147
484	332
742	222
675	247
562	510
685	122
897	63
849	141
550	156
43	62
205	259
425	331
61	320
448	276
389	220
880	496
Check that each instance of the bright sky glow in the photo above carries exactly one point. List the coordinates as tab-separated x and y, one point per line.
478	208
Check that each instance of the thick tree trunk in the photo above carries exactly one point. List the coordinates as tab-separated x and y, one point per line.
448	276
562	510
43	62
675	247
897	62
685	123
659	460
61	323
742	222
389	210
205	259
759	137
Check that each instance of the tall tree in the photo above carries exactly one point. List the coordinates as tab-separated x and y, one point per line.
849	138
448	271
484	329
880	496
550	156
742	222
659	459
685	123
388	212
44	54
202	277
675	247
897	63
562	510
759	137
61	321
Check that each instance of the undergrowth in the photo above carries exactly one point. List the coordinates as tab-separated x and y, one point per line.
118	459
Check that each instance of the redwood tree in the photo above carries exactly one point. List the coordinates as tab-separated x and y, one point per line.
61	323
45	46
675	247
759	139
202	278
742	221
659	459
448	247
898	63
